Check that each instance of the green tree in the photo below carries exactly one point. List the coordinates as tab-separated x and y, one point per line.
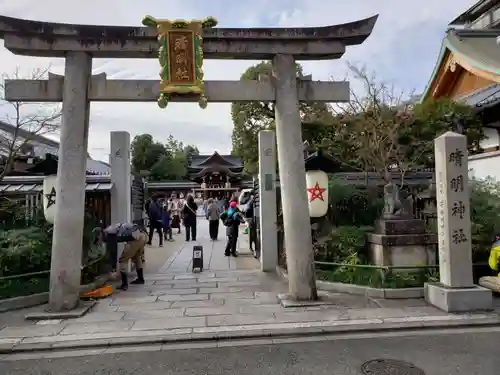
251	117
146	153
161	161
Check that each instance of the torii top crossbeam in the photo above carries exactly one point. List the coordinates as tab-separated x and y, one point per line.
47	39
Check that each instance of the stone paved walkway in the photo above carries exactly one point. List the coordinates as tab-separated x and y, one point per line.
230	297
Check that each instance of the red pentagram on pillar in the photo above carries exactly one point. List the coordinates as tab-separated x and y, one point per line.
316	192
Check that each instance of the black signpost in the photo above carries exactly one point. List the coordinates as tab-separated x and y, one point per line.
198	257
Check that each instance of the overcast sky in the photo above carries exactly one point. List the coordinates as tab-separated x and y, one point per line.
402	49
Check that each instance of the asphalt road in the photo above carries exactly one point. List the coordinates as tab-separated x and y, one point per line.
466	352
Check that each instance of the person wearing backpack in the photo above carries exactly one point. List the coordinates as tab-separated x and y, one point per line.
232	219
135	238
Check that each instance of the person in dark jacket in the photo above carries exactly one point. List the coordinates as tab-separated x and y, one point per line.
155	213
232	219
252	225
135	238
189	218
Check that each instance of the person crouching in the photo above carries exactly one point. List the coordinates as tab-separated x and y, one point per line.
135	238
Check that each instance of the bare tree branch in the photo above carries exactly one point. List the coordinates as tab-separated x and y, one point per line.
25	120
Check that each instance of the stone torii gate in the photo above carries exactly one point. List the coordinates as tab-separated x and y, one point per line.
78	44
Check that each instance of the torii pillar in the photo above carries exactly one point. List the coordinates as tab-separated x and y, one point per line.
66	261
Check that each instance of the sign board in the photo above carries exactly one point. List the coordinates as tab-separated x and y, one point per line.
197	258
268	182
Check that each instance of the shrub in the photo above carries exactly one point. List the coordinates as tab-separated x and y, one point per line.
25	250
485	211
353	205
343	243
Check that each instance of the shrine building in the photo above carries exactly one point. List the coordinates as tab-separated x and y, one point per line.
468	71
213	175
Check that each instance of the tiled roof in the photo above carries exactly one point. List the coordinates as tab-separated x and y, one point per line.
34	184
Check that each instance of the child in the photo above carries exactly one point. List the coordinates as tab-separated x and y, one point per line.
166	221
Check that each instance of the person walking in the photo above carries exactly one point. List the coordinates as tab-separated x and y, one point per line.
167	221
212	213
252	225
189	218
155	214
135	238
232	219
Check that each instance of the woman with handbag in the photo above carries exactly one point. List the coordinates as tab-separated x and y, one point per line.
189	218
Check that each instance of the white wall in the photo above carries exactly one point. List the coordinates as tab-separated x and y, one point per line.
482	166
491	138
487	164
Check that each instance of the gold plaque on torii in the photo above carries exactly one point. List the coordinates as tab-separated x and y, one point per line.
181	57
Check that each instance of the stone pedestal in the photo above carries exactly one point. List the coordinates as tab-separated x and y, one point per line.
402	242
456	291
267	201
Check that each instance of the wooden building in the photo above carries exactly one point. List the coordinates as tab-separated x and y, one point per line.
468	70
209	176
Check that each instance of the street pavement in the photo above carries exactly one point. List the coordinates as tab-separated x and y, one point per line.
449	352
231	298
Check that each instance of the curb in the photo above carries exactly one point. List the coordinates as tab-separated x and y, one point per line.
385	293
282	330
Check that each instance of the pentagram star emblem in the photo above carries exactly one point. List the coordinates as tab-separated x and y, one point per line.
316	192
51	197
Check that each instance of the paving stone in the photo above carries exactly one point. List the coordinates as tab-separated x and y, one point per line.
241	295
186	322
145	307
195	285
174	291
401	303
220	290
206	311
204	303
256	309
104	308
134	301
240	283
101	317
50	321
219	279
239	319
185	297
31	331
306	316
251	301
154	314
379	313
79	328
185	277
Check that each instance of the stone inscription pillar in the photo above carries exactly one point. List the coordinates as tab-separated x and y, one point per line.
121	212
267	204
65	269
299	250
456	291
